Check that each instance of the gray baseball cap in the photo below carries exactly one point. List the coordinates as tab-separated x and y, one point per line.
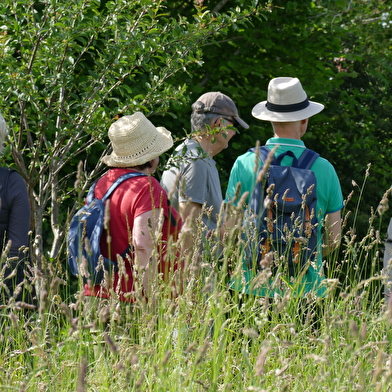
218	103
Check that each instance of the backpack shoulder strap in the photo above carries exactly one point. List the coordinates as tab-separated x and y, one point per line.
307	158
305	161
119	180
116	183
263	152
90	194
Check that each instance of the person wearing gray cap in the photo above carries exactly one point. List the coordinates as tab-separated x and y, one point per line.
192	180
288	109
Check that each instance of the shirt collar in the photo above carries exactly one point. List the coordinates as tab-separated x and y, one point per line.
285	142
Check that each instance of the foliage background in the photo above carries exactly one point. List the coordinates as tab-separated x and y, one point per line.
68	69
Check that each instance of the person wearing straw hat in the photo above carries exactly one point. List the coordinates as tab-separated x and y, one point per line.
289	109
141	220
192	180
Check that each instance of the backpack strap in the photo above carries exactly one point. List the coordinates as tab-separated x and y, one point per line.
263	152
305	161
116	183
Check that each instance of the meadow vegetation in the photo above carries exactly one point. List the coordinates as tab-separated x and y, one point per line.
207	338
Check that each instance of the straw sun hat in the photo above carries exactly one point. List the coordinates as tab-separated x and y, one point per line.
135	141
287	101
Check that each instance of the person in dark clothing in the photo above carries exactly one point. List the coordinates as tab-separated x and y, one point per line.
388	263
14	232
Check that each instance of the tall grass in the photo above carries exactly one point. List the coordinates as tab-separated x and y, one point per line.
209	339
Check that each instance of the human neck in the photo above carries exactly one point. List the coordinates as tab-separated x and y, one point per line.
206	145
288	135
290	130
148	171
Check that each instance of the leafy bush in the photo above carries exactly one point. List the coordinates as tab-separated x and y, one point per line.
67	70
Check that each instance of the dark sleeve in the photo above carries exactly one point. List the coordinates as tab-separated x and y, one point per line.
17	200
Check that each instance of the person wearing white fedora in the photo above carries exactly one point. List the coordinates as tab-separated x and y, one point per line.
288	109
141	221
192	180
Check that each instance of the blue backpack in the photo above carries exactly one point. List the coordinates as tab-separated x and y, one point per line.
284	213
85	232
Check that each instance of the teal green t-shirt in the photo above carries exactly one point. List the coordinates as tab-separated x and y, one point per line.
329	199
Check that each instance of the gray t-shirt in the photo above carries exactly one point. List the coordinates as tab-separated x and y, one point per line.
193	176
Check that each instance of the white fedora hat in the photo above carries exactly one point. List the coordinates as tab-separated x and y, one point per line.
135	141
287	101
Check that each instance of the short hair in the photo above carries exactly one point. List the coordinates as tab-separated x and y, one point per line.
3	133
201	121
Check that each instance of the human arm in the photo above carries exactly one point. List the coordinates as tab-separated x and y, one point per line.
332	232
144	227
240	186
189	212
329	203
233	217
190	189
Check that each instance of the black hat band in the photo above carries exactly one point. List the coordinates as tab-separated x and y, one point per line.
295	107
